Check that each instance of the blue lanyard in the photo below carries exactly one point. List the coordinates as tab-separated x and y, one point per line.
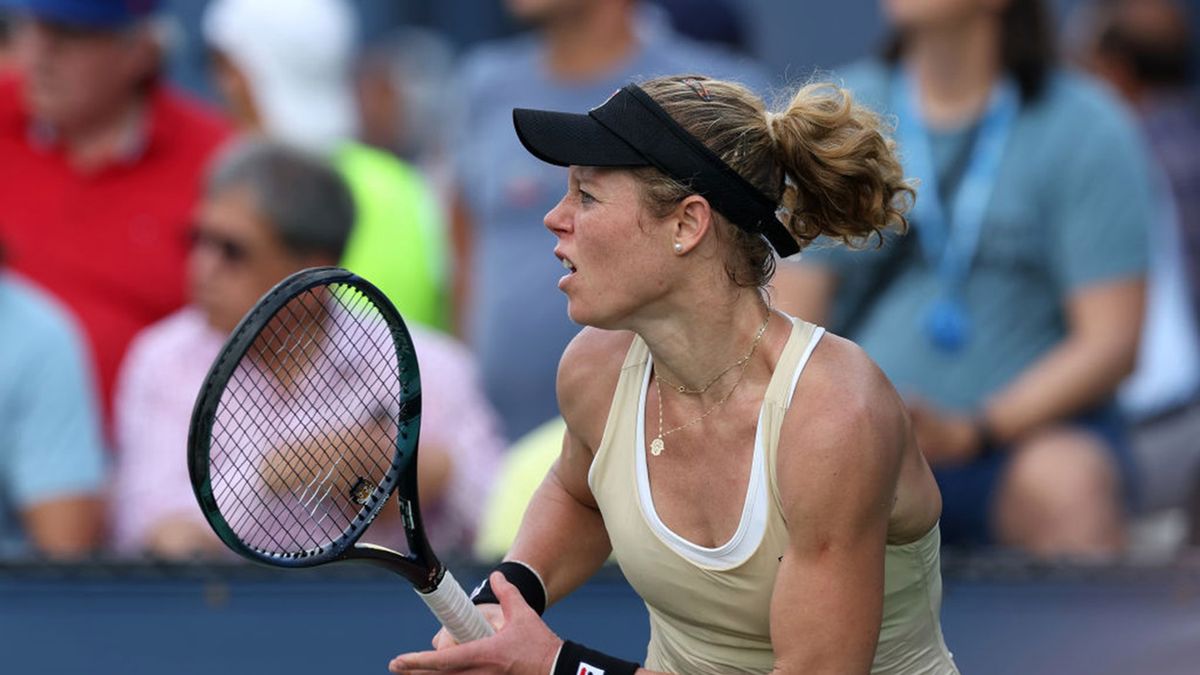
950	244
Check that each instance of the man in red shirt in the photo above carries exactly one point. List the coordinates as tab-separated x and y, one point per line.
101	167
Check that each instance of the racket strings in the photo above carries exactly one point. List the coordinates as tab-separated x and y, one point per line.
382	399
234	414
309	496
306	427
356	335
252	514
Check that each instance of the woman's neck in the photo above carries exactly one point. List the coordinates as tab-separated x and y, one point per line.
955	66
694	344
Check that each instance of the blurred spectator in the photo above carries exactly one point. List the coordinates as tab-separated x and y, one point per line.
51	454
1012	312
100	167
268	212
579	52
1143	49
404	101
287	73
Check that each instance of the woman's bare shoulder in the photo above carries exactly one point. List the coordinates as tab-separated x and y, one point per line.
841	384
587	378
846	423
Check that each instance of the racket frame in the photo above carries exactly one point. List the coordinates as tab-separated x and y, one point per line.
420	566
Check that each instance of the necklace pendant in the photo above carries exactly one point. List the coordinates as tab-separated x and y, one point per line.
656	446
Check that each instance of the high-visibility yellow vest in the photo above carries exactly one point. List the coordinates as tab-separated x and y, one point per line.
399	237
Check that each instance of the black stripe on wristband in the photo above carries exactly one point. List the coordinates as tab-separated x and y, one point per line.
519	575
575	659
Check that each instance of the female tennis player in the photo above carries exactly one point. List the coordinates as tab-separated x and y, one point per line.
755	477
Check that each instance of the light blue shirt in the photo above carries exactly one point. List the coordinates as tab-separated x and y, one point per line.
1070	208
518	324
50	438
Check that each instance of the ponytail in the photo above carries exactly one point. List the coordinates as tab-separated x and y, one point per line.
841	175
827	162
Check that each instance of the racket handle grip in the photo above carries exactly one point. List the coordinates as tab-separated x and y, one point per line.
454	609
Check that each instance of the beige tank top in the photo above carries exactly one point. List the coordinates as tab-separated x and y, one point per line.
710	607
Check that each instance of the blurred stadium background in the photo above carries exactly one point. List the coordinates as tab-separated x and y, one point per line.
1004	612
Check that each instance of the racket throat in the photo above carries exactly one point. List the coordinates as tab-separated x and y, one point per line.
425	576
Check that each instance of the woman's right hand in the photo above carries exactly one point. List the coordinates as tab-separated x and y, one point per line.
491	612
523	645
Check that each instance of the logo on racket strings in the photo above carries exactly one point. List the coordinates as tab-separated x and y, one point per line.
361	491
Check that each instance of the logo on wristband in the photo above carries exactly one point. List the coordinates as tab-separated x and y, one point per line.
589	669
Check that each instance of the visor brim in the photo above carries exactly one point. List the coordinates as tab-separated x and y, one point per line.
566	139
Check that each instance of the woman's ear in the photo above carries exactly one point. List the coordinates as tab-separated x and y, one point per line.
693	217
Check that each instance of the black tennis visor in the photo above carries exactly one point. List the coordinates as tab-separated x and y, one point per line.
631	130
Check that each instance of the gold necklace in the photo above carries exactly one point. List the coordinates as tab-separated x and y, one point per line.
658	445
683	389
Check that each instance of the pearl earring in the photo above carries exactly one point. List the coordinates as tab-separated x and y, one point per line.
678	247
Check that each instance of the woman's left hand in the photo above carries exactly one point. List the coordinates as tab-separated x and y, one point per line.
524	646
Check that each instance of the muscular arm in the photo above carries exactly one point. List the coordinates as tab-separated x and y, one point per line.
838	468
562	535
1103	326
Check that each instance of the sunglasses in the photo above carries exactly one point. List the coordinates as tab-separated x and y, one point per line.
231	250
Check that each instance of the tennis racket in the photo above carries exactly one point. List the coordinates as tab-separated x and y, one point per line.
306	424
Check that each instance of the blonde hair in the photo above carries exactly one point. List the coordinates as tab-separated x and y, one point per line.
828	162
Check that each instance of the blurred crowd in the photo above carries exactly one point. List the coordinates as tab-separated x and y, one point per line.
1039	318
